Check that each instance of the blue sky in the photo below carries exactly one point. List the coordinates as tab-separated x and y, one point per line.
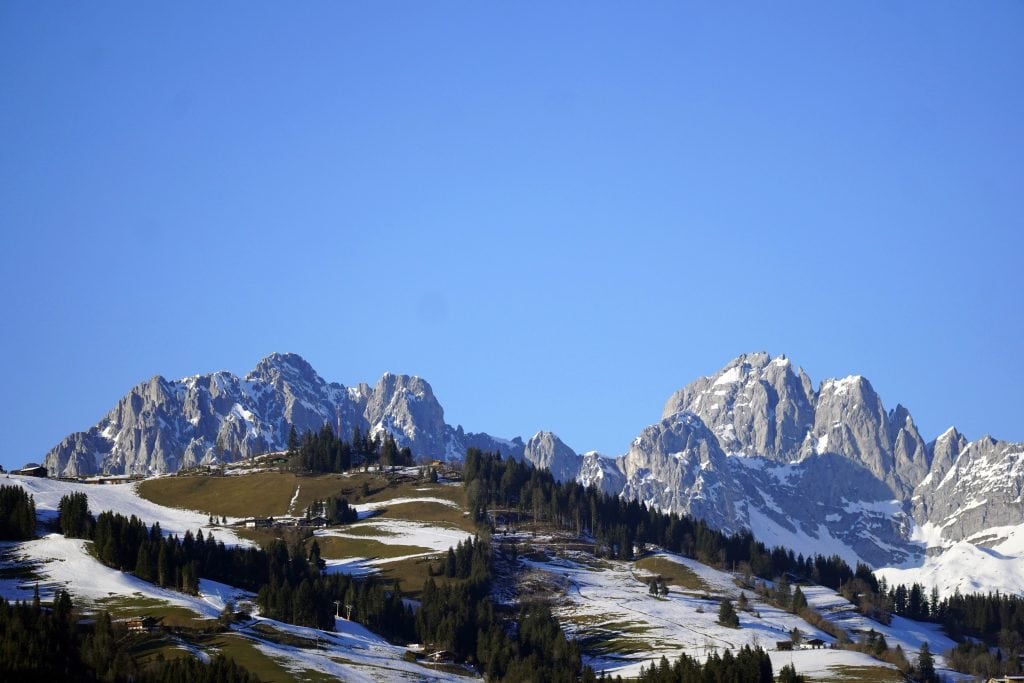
556	214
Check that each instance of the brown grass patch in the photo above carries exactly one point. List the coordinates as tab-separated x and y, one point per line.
335	548
674	573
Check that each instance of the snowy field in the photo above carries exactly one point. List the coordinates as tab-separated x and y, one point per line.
965	566
351	654
605	603
612	598
122	498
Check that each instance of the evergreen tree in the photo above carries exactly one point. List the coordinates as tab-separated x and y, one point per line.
926	665
798	602
74	517
788	674
727	615
17	514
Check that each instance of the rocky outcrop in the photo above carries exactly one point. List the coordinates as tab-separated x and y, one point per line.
162	425
850	420
755	405
604	473
973	493
756	446
405	407
678	465
762	406
546	451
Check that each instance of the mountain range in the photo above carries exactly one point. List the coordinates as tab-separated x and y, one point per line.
753	446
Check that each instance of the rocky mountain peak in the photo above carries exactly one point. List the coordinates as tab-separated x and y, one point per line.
755	405
405	406
546	450
282	368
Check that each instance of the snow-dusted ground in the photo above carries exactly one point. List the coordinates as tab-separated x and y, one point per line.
965	566
610	595
351	654
908	634
614	597
378	504
121	498
66	563
436	537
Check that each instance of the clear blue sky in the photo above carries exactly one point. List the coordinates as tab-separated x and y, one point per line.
557	213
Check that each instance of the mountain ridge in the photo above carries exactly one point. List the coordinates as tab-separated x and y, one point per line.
754	445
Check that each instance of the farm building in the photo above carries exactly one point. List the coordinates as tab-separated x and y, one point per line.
32	469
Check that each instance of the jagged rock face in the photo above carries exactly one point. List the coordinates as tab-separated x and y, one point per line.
754	405
287	391
406	407
753	446
546	451
678	465
850	465
162	426
828	498
850	420
760	406
604	473
945	450
980	491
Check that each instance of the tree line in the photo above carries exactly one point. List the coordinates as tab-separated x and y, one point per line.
51	643
334	509
747	665
17	514
289	582
619	526
323	451
460	617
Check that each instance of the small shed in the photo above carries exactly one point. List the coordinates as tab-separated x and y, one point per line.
784	645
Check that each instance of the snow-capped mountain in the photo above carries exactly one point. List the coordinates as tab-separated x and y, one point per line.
827	470
162	425
754	446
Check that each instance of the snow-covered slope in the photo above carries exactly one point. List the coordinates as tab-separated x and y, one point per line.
607	604
350	653
122	498
831	470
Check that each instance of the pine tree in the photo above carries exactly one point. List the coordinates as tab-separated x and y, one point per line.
926	665
143	563
788	674
798	602
293	442
727	615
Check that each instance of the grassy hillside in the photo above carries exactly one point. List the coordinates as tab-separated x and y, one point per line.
440	506
272	494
